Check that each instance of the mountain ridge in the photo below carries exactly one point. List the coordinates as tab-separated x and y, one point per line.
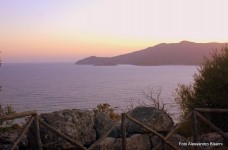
182	53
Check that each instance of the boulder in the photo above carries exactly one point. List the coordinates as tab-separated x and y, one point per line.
211	137
138	142
106	144
150	116
135	142
174	139
116	132
214	138
76	124
102	123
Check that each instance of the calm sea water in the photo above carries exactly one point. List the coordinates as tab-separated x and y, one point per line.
50	87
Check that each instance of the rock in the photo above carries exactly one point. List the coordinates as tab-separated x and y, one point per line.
135	142
8	137
138	142
102	123
106	144
213	138
154	140
174	139
116	132
150	116
76	124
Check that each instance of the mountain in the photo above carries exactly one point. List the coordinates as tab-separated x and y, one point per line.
183	53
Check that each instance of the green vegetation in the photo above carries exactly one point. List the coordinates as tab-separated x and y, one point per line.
107	109
209	89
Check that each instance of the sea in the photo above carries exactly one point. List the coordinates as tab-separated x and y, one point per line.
49	87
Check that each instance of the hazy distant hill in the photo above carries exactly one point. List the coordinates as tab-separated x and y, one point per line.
183	53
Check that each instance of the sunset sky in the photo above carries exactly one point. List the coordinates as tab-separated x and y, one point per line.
69	30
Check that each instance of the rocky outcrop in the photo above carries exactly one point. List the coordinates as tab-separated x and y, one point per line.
77	124
150	116
85	127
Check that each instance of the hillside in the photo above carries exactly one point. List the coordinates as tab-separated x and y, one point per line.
183	53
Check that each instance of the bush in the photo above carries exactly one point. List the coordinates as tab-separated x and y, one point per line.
107	109
209	89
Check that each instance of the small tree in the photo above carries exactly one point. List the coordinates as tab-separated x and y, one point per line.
210	88
153	96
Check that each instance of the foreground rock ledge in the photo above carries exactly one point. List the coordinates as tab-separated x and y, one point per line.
85	127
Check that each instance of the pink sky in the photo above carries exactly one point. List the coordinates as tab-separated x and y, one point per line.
60	30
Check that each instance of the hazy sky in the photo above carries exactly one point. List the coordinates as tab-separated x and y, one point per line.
68	30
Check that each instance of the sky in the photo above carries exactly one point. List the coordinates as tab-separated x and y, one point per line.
69	30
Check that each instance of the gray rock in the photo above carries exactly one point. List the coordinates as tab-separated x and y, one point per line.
155	140
150	116
213	138
116	132
135	142
174	139
102	123
106	144
138	142
76	124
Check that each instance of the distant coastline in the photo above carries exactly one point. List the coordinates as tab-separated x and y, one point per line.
182	53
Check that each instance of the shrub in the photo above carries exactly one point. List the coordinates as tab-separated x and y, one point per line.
209	89
107	109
